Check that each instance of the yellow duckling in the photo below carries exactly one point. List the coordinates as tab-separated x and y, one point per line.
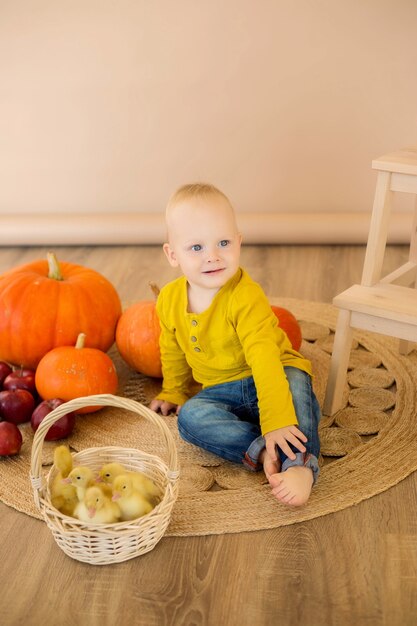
132	502
97	507
81	478
141	482
63	495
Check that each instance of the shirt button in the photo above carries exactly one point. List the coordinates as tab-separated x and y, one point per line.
193	338
194	322
197	350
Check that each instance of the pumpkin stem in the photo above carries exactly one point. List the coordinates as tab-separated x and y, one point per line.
80	341
155	288
54	271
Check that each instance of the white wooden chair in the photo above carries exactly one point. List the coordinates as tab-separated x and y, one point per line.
386	305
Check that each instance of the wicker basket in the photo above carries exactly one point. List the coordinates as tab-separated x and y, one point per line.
101	544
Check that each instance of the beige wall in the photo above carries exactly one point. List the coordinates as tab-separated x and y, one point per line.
106	106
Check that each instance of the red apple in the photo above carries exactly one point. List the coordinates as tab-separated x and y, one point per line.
16	405
21	379
5	370
62	427
10	439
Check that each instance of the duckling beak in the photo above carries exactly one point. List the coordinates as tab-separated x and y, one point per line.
67	481
91	512
116	496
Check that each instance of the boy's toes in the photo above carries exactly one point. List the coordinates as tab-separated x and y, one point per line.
292	487
275	480
283	494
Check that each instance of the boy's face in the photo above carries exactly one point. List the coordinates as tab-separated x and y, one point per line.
203	241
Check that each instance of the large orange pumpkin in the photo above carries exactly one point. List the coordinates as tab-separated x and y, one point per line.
69	372
44	304
138	331
137	337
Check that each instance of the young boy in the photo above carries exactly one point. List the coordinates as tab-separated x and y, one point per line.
217	327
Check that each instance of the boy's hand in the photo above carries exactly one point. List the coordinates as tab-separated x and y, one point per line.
164	407
281	437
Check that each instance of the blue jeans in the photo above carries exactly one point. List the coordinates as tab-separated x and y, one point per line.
224	419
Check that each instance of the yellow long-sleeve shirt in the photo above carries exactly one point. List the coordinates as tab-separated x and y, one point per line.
236	337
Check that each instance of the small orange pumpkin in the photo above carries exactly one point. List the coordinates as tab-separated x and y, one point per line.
44	304
289	324
138	332
137	337
69	372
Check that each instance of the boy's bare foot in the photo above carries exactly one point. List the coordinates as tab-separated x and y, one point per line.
292	487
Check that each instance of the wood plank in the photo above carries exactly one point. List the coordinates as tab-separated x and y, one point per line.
400	556
383	326
402	161
404	182
391	302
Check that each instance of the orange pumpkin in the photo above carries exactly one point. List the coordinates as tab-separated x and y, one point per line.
289	324
69	372
137	337
44	304
138	331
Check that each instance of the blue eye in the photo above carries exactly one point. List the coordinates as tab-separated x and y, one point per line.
224	243
196	247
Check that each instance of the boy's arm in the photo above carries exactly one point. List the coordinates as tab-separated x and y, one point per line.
263	342
176	372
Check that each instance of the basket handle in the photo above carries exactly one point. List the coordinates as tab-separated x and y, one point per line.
101	400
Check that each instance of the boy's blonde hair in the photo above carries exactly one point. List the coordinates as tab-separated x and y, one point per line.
196	190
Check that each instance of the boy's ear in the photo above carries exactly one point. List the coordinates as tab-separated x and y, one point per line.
170	255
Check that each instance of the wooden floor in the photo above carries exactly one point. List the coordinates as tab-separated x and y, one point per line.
357	567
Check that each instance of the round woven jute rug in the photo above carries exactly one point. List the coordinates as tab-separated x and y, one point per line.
377	424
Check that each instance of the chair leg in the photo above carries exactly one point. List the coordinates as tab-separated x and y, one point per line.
407	346
378	230
338	364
